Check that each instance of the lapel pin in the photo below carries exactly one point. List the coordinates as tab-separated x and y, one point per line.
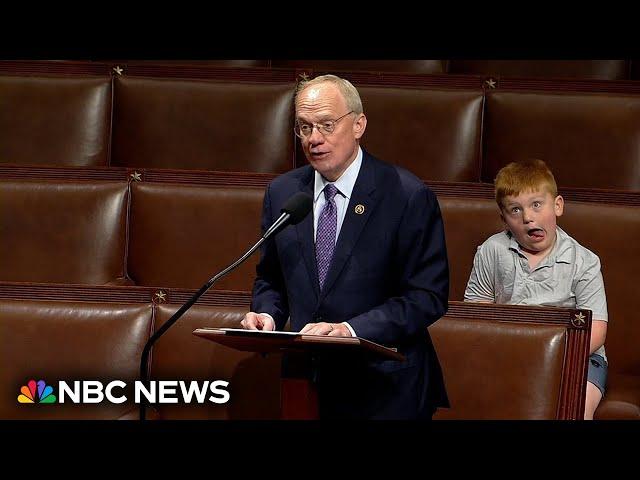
359	209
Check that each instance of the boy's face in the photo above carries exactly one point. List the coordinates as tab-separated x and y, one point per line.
531	218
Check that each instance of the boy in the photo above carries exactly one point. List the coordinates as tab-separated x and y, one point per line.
534	262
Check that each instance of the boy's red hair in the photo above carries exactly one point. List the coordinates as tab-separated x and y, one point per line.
524	176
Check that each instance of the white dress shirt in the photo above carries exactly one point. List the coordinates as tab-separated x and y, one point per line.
345	185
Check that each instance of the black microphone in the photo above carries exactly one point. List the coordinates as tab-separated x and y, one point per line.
293	211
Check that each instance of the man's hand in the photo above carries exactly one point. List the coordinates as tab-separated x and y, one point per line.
324	328
257	321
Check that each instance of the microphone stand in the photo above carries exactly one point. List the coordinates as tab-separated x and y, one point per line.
144	371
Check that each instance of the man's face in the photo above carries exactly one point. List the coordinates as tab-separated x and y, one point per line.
329	154
531	218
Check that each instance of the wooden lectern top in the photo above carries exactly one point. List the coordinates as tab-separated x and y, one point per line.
277	342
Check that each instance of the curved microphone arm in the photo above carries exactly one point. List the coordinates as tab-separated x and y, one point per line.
144	371
294	210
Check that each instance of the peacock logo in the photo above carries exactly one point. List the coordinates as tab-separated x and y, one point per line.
38	392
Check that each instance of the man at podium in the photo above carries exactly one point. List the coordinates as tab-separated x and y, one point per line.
370	261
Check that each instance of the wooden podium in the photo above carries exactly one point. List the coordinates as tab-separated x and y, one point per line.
299	398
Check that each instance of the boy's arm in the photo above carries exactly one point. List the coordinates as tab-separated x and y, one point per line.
590	294
480	287
598	334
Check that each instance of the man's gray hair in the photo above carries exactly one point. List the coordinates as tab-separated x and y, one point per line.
346	88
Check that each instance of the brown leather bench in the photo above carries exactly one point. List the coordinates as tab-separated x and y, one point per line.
237	119
175	239
435	133
200	124
97	333
76	332
181	235
55	120
587	139
512	362
69	340
442	127
63	231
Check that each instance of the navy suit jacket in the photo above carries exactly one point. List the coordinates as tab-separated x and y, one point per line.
389	278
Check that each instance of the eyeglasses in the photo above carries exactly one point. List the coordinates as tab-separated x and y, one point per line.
304	130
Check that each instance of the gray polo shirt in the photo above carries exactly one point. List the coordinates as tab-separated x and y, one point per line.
568	277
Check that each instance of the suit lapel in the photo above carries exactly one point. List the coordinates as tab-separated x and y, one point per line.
363	194
304	230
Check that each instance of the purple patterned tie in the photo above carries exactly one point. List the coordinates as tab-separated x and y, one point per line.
326	232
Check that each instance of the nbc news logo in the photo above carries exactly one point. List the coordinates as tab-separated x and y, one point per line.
38	392
93	391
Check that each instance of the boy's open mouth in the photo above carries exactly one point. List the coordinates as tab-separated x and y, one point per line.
535	233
